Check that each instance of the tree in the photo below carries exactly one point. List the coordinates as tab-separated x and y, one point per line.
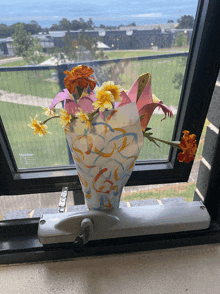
32	27
4	30
55	27
83	24
26	46
90	24
181	40
133	24
82	48
69	49
186	22
22	40
34	55
65	25
75	25
170	21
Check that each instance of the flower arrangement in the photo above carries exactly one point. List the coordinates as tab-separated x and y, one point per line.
105	130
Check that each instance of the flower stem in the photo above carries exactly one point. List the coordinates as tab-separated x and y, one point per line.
50	118
174	144
79	91
94	113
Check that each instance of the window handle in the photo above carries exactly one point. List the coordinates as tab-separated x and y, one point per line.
86	232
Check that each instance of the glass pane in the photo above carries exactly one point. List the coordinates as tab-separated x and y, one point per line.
101	31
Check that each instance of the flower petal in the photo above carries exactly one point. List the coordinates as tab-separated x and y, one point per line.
147	111
166	109
125	100
85	103
62	96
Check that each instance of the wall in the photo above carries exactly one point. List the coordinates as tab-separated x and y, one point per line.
207	187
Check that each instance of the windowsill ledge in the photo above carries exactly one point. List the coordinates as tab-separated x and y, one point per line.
176	270
22	214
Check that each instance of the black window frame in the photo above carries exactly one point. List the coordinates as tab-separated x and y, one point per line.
19	237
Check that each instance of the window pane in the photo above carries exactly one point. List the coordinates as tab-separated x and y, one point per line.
67	36
22	94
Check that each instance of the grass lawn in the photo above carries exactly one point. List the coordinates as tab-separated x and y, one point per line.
135	53
35	83
46	151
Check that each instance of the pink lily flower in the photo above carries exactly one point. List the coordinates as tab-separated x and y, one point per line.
146	102
85	102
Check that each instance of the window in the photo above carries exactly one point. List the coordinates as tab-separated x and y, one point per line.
200	76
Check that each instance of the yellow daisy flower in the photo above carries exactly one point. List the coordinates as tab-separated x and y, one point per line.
49	112
65	118
115	90
85	117
39	127
104	99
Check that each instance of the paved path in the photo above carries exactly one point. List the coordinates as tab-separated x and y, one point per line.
12	59
26	99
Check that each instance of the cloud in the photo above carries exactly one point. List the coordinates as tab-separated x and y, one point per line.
146	15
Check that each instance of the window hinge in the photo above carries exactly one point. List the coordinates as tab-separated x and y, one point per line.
63	199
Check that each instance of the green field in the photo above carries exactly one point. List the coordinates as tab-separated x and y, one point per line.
48	151
124	54
35	83
135	53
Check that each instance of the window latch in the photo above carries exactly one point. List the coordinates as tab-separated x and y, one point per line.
81	227
63	199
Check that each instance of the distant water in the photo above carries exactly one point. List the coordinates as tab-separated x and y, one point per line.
112	13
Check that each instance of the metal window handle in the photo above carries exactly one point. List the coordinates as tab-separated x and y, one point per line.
86	232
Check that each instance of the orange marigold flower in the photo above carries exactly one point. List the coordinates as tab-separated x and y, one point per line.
189	147
79	76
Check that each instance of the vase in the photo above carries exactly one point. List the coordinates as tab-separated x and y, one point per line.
105	155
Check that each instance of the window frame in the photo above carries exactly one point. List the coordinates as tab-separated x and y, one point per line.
19	242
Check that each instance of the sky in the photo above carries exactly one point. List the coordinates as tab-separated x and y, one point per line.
107	12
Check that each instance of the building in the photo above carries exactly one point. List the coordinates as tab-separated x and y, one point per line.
125	38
